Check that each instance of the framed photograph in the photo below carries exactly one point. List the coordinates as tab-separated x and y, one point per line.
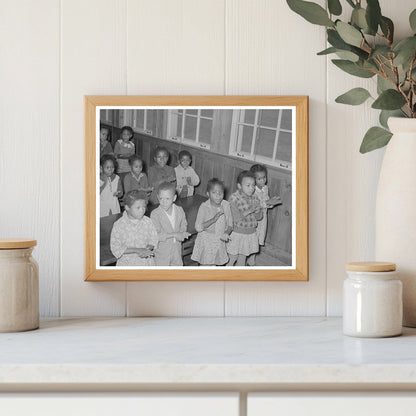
196	188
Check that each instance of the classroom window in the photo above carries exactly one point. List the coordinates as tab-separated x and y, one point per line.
263	136
191	126
144	121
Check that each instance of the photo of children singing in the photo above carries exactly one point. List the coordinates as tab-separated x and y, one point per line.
195	187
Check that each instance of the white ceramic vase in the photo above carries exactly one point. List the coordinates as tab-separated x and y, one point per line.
396	210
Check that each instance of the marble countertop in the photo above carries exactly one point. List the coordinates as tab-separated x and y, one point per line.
204	351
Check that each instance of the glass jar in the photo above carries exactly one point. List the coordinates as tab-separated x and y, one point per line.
19	286
372	300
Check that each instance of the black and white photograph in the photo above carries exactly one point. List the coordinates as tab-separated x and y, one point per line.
195	187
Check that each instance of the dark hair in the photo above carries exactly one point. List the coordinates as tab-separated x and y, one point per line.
129	129
183	153
102	127
160	149
215	181
258	168
245	174
133	158
166	186
134	196
107	157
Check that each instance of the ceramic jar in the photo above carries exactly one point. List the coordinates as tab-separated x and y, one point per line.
372	300
19	286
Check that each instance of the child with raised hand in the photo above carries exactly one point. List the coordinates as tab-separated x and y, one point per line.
105	145
136	179
262	192
134	236
214	224
246	211
110	187
123	149
170	223
186	177
160	172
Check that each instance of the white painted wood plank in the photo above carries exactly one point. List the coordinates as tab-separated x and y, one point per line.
328	404
93	62
175	299
109	404
266	55
175	47
29	135
353	177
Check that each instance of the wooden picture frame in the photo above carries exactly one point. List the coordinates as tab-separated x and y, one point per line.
161	113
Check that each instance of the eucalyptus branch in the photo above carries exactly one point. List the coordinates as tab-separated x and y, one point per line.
368	34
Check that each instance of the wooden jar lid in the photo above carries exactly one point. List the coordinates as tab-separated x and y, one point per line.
371	266
11	243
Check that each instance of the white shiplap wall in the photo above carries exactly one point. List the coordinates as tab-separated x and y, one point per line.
55	52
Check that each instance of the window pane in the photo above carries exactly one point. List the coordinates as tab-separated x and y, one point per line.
207	113
265	142
150	119
246	134
193	112
286	122
284	147
179	127
139	119
269	118
205	129
190	128
249	116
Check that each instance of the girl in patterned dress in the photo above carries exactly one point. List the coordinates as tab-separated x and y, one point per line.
214	225
134	236
110	187
246	211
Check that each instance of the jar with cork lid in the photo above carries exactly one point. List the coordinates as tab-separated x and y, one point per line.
372	299
19	286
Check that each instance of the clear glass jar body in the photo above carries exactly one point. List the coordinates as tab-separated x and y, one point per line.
19	290
372	304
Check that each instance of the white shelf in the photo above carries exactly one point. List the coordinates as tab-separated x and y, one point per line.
175	352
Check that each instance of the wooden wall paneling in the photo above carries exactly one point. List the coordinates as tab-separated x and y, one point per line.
93	61
352	177
275	60
29	136
175	47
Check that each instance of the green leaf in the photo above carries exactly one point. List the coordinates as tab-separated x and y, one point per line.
358	18
349	34
387	27
405	50
352	68
386	114
373	15
327	51
383	84
412	20
375	138
334	7
356	96
336	41
311	12
389	100
381	50
347	55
